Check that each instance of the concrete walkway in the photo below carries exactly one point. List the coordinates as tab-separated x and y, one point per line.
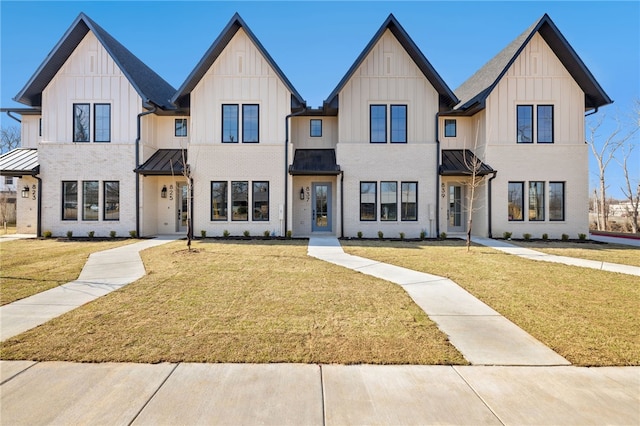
13	237
482	335
104	272
307	394
544	257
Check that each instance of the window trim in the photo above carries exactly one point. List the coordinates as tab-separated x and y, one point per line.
391	108
175	127
371	107
402	218
226	201
455	128
95	123
563	200
73	124
311	121
84	201
531	185
237	110
531	121
538	123
104	204
395	218
253	201
375	201
510	218
246	182
244	123
64	200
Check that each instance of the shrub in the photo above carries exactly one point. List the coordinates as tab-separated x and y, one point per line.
289	234
402	235
359	234
266	233
443	235
225	233
545	236
526	236
133	234
91	234
69	234
47	234
582	237
423	234
380	235
506	235
565	237
112	234
203	233
246	233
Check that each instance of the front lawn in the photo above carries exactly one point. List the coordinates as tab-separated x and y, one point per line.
242	301
612	253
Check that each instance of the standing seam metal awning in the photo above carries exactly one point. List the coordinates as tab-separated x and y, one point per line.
20	162
458	162
314	162
164	162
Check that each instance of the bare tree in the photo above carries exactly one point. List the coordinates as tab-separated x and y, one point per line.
186	173
9	138
627	190
474	165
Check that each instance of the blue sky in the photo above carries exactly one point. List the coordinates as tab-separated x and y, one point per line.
315	43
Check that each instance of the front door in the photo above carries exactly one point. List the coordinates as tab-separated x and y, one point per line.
455	214
321	207
182	200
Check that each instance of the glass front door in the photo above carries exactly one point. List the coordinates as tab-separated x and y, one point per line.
321	211
455	214
182	199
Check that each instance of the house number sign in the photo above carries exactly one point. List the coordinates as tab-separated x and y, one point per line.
307	190
33	191
171	192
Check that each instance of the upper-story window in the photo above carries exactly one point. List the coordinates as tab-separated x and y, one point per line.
101	122
450	128
315	128
543	120
378	124
180	127
250	123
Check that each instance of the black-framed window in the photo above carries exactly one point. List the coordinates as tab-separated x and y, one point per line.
40	127
398	124
315	128
388	201
368	201
102	122
230	123
260	200
219	201
544	117
409	201
111	191
8	180
525	123
450	128
240	200
250	123
180	127
378	123
556	201
81	120
516	201
70	200
90	203
536	201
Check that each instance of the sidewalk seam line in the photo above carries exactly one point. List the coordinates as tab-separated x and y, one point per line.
478	395
324	407
19	373
153	395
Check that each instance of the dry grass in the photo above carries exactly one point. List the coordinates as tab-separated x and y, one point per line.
259	301
11	229
588	316
31	266
612	253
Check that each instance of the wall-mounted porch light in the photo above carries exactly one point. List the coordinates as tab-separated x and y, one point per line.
302	193
25	192
163	192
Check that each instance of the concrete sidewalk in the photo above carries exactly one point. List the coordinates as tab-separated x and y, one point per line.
306	394
13	237
544	257
104	272
482	335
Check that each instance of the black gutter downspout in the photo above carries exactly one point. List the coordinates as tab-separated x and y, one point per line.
15	118
191	215
341	203
39	217
151	111
495	172
286	165
437	211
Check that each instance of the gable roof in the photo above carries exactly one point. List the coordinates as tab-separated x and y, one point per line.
182	96
447	97
149	85
474	92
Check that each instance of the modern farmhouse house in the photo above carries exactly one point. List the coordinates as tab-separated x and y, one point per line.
108	145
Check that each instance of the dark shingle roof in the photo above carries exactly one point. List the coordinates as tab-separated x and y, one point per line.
182	96
314	162
20	162
474	92
447	97
163	162
149	85
459	162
